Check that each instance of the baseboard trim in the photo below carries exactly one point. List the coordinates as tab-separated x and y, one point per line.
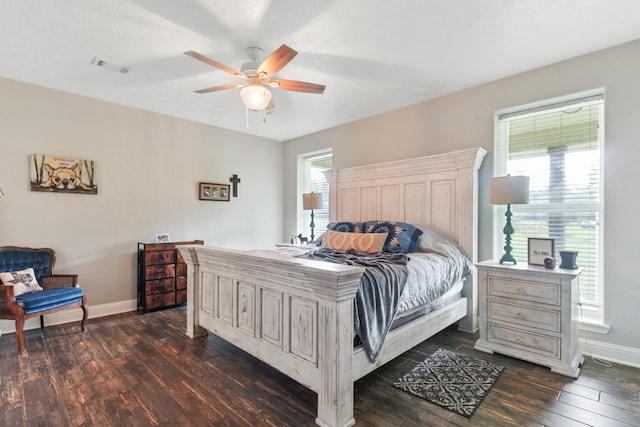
72	315
610	352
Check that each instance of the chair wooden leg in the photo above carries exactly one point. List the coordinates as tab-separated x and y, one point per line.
85	315
41	322
20	333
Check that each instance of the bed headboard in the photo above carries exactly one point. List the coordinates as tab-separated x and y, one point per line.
439	190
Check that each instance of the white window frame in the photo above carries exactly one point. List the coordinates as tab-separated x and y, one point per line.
591	318
303	218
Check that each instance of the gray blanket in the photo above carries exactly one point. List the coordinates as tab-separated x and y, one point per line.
378	293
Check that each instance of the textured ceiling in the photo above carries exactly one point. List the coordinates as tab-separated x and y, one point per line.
373	55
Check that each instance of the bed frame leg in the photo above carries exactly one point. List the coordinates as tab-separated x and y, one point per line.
469	323
335	397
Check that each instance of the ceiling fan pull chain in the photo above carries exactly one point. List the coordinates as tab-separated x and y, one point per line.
247	116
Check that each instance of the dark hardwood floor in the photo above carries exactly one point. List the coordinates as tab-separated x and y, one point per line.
142	370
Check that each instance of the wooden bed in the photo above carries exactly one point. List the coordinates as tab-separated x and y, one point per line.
297	314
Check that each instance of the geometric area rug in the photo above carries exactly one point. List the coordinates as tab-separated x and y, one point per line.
451	380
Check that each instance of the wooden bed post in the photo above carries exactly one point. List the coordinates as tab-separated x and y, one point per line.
468	188
193	301
335	351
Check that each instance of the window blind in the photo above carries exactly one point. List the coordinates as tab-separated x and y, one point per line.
560	148
314	180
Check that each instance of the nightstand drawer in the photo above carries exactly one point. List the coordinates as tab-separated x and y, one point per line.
548	320
546	293
535	343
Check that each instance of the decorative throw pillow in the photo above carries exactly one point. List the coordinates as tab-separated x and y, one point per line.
346	226
363	243
23	281
402	237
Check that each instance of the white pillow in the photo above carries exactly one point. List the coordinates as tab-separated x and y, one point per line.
23	281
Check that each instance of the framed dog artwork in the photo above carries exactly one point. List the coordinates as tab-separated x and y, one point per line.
63	174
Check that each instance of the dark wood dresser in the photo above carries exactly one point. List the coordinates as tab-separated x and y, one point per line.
162	275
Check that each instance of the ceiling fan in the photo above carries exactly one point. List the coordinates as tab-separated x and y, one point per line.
257	77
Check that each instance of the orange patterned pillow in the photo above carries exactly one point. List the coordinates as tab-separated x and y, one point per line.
364	243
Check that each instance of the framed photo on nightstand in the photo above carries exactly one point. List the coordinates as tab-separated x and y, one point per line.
539	249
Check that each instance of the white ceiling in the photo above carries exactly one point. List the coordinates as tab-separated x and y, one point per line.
373	55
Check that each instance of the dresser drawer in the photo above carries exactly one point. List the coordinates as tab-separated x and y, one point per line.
548	320
160	257
546	293
160	271
181	297
181	282
160	286
529	341
160	300
181	269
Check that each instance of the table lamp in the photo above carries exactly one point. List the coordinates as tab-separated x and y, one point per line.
509	190
311	201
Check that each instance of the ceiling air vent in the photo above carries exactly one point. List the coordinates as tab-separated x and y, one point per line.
110	65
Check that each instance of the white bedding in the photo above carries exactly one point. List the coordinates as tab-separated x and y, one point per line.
431	275
438	265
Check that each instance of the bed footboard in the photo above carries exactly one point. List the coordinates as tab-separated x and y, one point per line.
294	314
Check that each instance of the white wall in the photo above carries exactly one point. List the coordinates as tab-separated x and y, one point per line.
466	119
148	169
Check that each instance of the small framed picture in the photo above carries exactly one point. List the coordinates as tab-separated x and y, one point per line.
163	238
215	192
539	249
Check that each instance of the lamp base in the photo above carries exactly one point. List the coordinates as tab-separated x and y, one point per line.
508	259
312	226
508	231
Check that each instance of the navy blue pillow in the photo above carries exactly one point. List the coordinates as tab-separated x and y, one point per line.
344	226
403	238
347	227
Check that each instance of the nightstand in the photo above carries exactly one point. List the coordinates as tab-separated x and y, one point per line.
530	312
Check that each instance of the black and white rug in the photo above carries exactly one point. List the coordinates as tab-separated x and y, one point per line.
451	380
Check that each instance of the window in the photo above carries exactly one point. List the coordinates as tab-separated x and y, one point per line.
559	146
311	179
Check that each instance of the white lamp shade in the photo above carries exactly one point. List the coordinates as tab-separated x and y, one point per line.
311	201
509	190
255	97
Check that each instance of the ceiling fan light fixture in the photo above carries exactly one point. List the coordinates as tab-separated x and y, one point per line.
255	97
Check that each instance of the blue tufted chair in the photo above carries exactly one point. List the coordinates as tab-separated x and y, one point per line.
61	291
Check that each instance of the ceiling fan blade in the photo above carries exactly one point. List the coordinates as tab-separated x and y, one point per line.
216	64
222	87
297	86
276	61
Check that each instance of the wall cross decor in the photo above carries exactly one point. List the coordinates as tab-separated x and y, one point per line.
234	180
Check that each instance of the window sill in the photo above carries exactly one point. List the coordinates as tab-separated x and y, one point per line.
591	326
